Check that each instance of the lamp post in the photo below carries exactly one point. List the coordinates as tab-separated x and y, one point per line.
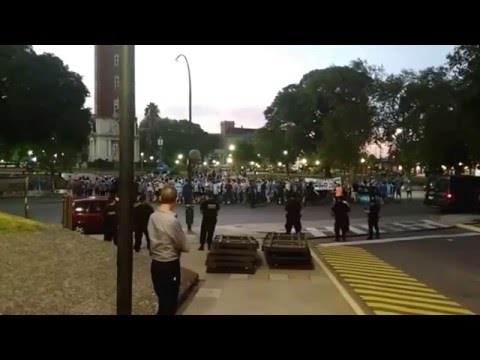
188	192
141	161
285	152
127	130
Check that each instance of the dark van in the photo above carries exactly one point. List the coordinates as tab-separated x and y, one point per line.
454	193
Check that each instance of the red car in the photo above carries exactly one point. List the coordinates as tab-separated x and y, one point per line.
87	215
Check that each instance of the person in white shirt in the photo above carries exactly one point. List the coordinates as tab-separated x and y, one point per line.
167	242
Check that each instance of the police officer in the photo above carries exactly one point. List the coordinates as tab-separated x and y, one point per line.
373	212
141	214
209	209
340	211
110	217
293	207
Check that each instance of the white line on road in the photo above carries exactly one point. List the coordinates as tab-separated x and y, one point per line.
315	232
435	223
410	238
357	230
406	226
348	298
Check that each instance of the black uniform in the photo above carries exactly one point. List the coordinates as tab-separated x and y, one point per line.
111	221
373	212
209	209
342	222
293	207
141	214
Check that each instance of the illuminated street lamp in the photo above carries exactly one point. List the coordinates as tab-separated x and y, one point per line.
317	162
229	160
151	158
231	147
30	152
304	161
279	163
180	156
362	160
258	155
285	152
205	163
176	162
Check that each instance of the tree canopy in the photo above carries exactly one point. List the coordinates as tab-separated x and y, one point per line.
41	103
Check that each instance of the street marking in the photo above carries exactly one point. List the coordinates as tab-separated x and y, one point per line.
330	228
435	223
381	241
468	227
315	232
357	230
405	297
346	295
384	289
407	226
427	226
366	228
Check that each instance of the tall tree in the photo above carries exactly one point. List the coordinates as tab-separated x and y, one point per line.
41	100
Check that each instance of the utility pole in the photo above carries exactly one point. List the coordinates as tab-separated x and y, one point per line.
127	130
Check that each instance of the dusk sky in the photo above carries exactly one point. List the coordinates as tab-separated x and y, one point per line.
233	82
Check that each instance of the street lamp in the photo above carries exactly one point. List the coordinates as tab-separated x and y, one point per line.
317	162
362	160
285	152
231	147
141	160
180	156
151	158
176	162
188	192
229	160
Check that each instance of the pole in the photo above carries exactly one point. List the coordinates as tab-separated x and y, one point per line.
26	196
127	120
188	203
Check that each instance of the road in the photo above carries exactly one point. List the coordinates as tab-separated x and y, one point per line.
49	210
435	272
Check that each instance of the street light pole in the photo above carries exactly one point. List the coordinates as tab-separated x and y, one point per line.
188	199
127	124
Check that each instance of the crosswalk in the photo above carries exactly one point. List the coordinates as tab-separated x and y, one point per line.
362	229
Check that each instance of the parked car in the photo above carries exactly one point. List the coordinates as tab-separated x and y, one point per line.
87	214
454	193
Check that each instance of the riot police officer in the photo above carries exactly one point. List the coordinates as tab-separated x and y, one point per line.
340	211
293	207
209	209
373	212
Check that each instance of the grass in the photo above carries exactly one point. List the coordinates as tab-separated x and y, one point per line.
11	224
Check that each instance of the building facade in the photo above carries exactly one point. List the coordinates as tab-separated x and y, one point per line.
231	134
104	137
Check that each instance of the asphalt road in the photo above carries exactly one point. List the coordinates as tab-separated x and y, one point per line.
445	264
49	210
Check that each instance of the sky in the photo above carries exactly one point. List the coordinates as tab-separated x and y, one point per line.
235	82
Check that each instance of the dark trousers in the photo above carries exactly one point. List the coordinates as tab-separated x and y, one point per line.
206	232
341	227
293	221
373	223
138	238
111	228
166	282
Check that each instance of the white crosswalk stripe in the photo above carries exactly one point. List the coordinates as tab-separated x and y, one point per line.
435	223
316	233
362	229
357	230
366	228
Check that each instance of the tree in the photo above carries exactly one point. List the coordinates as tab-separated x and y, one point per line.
464	63
41	100
244	152
177	139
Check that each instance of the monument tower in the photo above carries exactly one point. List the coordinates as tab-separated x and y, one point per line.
105	125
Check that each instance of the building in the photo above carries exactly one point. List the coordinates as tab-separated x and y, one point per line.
231	134
104	137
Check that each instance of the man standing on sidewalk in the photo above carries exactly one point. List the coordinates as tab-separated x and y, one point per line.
141	214
340	211
209	209
373	212
293	208
167	242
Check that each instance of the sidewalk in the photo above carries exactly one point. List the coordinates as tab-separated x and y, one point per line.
267	292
